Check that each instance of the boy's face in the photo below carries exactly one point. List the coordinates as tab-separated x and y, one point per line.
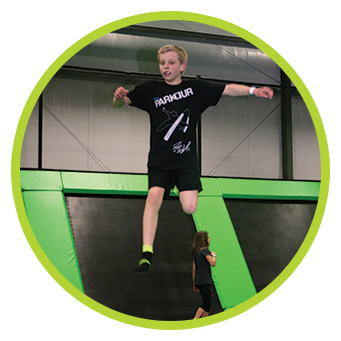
171	67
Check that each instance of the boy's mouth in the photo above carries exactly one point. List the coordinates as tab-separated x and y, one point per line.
167	73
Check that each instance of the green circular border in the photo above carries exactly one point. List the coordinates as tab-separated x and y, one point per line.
156	16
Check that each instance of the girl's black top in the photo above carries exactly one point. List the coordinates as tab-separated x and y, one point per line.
203	268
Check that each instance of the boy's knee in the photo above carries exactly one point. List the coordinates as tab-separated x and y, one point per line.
155	197
189	201
189	208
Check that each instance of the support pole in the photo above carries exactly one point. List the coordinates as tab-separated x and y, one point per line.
40	133
286	111
199	144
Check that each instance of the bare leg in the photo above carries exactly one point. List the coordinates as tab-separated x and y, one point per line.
199	313
150	220
151	214
189	201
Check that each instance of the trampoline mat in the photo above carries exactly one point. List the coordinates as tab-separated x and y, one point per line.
270	233
107	232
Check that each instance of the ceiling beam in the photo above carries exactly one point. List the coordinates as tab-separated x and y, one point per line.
305	27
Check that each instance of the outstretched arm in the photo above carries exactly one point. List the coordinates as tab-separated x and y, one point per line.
120	97
235	90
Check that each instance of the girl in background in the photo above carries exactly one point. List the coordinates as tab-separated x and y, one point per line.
203	259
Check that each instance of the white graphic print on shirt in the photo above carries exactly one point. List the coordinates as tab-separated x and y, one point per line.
173	97
180	147
174	121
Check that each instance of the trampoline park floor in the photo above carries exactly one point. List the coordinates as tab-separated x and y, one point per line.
90	226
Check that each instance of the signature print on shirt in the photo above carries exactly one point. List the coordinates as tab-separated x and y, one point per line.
174	121
180	147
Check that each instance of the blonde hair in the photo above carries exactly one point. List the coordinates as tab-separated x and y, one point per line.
183	56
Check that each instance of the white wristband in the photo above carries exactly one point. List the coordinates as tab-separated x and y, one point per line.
252	89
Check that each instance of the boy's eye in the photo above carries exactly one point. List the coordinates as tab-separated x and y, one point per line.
171	62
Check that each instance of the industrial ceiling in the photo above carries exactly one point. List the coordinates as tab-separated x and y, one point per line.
304	27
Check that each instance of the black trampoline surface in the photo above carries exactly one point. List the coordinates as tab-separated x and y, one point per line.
107	233
270	233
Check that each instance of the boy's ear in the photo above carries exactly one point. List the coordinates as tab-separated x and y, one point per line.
183	67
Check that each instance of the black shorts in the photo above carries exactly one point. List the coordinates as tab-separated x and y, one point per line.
183	179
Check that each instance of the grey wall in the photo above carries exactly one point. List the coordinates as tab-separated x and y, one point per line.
83	131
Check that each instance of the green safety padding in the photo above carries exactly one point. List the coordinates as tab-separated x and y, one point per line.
211	187
264	314
269	189
231	275
73	316
47	215
40	181
96	183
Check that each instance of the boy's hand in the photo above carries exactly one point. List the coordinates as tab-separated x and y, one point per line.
264	92
120	93
195	289
120	98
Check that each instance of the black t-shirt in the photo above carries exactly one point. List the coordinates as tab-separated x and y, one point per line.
202	267
174	111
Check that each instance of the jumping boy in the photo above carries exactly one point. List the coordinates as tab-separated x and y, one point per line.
174	107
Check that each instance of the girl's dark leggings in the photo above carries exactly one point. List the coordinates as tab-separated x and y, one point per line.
205	291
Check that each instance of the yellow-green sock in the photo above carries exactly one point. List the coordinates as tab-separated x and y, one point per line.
147	253
147	248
